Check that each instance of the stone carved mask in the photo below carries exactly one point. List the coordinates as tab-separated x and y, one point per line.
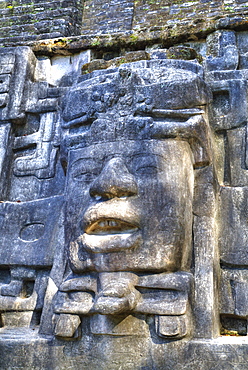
134	135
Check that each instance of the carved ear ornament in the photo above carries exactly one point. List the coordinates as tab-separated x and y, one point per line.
194	129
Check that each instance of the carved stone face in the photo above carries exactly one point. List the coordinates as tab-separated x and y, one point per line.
130	173
129	206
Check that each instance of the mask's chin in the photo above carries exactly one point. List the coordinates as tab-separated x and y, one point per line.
107	243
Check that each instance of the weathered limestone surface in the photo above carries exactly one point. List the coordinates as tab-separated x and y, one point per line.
123	210
23	21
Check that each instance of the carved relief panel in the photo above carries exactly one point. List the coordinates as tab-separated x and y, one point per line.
228	116
133	144
123	209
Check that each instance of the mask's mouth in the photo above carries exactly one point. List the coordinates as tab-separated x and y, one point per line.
110	226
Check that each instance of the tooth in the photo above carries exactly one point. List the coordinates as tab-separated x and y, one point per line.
102	224
113	223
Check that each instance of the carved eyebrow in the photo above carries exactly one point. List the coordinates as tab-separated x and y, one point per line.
151	158
144	153
85	160
83	120
179	113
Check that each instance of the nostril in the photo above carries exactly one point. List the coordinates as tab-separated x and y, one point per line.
98	197
115	181
123	193
109	192
98	192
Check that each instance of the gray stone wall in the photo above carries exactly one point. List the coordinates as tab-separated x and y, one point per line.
123	210
27	21
123	185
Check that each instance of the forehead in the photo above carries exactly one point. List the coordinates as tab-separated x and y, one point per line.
168	150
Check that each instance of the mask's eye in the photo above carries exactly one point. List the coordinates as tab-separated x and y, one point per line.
145	165
147	170
85	170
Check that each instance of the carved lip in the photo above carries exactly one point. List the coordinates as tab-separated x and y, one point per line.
115	216
109	226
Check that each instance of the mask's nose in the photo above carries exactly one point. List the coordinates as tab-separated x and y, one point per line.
114	181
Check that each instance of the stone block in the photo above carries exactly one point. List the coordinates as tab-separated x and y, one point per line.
29	227
206	188
73	303
236	157
16	319
222	51
42	162
87	283
67	325
7	61
158	54
63	66
13	289
233	234
171	326
3	100
228	108
162	302
206	262
118	325
4	83
25	294
5	158
234	293
164	294
99	17
22	72
242	38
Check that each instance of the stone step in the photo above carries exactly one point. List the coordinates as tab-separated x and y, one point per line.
71	14
14	40
64	26
10	10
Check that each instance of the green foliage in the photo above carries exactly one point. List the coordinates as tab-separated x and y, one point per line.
133	38
95	42
229	8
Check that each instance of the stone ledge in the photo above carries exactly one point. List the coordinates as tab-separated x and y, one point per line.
52	43
33	352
